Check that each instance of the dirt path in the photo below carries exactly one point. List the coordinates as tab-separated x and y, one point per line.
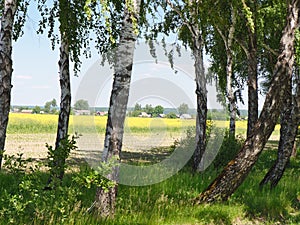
33	145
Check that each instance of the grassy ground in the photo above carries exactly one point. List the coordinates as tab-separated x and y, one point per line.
23	200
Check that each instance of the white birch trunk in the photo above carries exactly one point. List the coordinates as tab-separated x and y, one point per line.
65	96
229	71
64	112
289	122
228	41
105	200
252	83
201	95
7	21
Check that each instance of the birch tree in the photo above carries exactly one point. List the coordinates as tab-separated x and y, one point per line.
65	88
250	49
105	199
225	28
11	28
237	169
289	121
259	36
189	20
74	39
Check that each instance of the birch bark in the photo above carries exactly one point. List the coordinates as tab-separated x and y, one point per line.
105	199
289	123
7	21
228	41
65	109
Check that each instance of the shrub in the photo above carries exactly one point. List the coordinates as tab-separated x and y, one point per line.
171	115
229	148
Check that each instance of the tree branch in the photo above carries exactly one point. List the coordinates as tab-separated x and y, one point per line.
185	22
268	48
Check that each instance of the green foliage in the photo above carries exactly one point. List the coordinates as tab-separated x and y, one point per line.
26	202
280	203
135	113
36	110
57	157
81	104
74	26
157	110
50	106
249	16
47	107
149	109
89	177
20	19
137	107
171	115
215	114
183	108
15	164
228	150
154	112
111	14
270	22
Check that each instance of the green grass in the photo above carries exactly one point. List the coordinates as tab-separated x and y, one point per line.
23	200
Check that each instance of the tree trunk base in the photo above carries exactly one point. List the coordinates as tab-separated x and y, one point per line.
105	202
272	177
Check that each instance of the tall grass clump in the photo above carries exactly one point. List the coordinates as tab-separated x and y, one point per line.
228	149
279	204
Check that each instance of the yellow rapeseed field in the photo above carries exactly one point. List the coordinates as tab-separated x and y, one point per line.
45	123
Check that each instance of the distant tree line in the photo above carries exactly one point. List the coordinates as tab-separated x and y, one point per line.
149	109
156	111
50	107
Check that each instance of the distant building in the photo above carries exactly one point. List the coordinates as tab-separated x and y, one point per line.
161	115
82	112
185	116
15	110
144	114
98	113
27	111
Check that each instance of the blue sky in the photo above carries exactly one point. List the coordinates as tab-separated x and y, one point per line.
35	77
35	64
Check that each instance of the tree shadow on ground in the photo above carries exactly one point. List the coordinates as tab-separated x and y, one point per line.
151	156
